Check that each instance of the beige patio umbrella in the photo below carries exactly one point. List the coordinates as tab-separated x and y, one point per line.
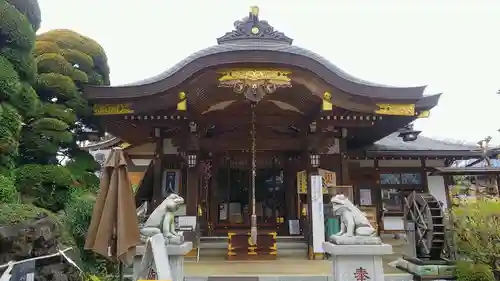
114	229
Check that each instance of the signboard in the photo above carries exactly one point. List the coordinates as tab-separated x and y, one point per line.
294	227
329	179
317	216
185	223
23	271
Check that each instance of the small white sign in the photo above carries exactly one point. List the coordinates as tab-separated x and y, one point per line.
294	227
365	197
317	216
186	223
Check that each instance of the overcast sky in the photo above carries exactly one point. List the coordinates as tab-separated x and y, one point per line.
452	46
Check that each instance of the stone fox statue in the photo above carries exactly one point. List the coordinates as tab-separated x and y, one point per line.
353	221
161	220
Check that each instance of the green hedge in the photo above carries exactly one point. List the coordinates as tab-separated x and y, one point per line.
59	111
10	126
70	42
16	28
56	85
467	271
23	62
8	191
27	101
9	79
30	9
47	186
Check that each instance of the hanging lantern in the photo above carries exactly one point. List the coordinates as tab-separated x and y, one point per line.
192	160
314	160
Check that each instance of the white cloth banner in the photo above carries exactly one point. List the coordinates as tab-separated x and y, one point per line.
317	216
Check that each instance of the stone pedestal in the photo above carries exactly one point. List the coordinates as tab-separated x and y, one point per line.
357	262
175	258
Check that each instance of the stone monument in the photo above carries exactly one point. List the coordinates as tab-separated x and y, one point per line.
161	221
356	250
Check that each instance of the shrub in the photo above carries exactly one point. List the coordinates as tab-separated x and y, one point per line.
47	186
9	79
467	271
15	28
77	216
475	226
30	9
8	191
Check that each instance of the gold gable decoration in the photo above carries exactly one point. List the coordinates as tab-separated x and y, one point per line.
254	83
271	75
112	109
396	109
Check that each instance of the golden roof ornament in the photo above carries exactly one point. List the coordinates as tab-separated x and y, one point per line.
253	28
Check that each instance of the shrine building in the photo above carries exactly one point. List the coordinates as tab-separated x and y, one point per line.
238	129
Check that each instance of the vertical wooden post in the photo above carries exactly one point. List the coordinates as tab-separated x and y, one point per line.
157	170
423	174
192	187
310	171
345	178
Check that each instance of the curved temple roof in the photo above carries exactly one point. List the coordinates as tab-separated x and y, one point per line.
255	41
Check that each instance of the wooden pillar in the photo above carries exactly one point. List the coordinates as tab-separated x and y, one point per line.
192	185
345	178
157	170
290	174
212	202
423	174
311	171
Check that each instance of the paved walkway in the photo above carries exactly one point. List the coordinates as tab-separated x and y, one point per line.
261	268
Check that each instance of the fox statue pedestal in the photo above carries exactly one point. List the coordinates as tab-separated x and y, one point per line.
357	262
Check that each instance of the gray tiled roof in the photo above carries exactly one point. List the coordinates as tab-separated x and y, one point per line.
393	143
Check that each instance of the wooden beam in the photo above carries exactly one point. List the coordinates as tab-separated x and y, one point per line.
229	143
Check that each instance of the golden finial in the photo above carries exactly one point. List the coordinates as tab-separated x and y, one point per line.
254	10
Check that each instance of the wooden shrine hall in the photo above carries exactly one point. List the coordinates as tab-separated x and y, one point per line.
238	128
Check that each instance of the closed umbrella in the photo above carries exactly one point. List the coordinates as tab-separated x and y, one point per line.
114	228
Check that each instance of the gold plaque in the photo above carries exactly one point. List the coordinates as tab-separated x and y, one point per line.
396	109
112	109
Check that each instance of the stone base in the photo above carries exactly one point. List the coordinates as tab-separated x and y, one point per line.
355	240
175	258
351	261
436	269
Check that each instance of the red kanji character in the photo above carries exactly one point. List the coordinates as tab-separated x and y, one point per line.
152	274
361	274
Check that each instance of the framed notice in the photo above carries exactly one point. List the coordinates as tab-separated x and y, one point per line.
186	223
171	182
365	197
317	216
294	227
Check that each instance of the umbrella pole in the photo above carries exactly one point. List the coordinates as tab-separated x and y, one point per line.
120	264
120	271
